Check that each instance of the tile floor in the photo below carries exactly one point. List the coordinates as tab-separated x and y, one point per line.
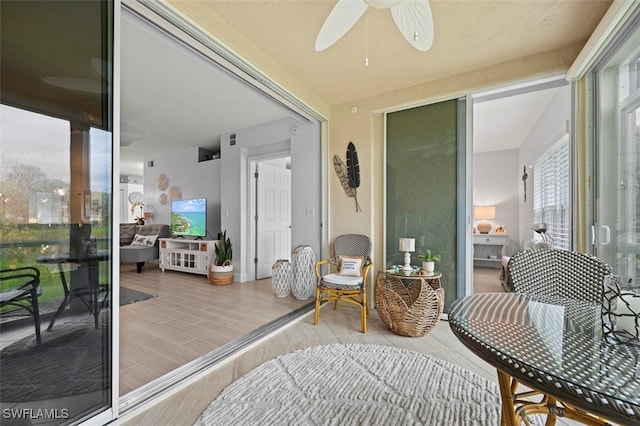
184	405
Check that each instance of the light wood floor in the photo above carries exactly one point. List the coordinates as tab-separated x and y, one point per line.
185	405
486	280
188	318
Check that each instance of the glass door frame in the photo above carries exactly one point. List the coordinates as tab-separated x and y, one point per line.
600	234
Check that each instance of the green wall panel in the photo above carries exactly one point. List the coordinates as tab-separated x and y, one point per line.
421	186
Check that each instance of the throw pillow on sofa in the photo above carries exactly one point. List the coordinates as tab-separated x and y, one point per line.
144	240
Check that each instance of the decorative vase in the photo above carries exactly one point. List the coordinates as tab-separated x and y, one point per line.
221	275
428	266
302	261
281	278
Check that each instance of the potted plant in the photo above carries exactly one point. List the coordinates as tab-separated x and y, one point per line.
221	271
428	260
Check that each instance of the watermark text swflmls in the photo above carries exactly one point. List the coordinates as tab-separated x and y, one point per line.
36	413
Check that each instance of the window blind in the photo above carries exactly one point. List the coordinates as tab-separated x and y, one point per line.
551	193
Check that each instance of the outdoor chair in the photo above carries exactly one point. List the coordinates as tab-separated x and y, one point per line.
558	273
19	290
347	279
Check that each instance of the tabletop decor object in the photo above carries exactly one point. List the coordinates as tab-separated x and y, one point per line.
304	279
408	246
544	240
621	310
428	260
483	213
281	281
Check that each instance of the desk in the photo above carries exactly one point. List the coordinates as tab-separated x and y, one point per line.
554	346
88	293
487	249
409	304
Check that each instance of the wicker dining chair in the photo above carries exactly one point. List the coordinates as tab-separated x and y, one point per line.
558	273
346	284
555	273
19	292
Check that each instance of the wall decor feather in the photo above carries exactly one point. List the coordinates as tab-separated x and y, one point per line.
353	168
349	174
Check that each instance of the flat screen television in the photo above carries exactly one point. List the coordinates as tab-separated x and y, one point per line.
189	217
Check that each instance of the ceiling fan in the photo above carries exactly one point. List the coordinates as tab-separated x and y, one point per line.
413	18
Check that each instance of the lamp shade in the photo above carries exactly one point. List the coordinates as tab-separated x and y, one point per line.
484	212
407	244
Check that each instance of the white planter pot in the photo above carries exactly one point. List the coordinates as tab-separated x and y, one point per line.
428	266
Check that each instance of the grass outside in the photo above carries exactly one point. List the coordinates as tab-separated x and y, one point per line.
22	245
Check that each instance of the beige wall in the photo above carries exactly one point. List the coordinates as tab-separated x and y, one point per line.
365	127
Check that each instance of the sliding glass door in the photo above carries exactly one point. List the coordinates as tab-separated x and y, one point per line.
616	232
423	187
56	168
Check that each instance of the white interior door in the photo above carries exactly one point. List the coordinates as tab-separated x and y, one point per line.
273	229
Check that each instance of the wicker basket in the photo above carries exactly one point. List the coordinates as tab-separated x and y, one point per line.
221	275
409	306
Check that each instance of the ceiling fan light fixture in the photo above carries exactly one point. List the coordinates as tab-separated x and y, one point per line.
382	4
412	17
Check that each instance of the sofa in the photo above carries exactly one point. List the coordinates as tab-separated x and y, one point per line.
140	243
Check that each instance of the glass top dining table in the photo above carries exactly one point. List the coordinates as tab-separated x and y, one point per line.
555	346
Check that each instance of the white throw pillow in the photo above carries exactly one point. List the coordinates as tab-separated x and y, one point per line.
350	266
144	240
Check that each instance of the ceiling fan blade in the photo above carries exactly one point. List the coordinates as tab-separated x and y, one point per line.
343	16
415	22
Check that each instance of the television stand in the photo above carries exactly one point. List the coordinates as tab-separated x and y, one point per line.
180	254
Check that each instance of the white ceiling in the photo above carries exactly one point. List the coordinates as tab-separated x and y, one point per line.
505	123
172	99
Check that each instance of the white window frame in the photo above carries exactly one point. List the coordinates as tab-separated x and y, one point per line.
552	192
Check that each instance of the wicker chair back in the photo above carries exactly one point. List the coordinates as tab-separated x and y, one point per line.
352	245
559	273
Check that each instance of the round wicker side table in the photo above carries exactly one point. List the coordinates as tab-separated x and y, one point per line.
409	305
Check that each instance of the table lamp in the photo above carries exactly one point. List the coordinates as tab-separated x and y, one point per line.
484	212
407	245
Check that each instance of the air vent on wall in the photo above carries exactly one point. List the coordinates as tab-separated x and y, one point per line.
232	139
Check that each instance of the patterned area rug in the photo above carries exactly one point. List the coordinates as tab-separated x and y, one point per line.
128	296
354	385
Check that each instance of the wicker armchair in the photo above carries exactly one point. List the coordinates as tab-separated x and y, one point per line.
344	286
558	273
